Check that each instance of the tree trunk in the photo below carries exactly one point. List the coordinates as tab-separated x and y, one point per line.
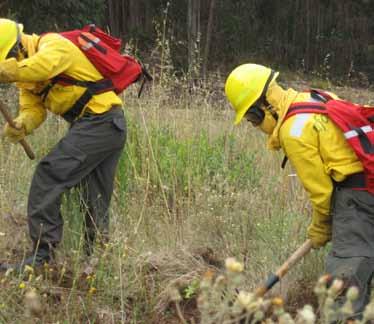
114	19
209	29
189	30
4	8
134	17
148	25
307	36
193	25
124	16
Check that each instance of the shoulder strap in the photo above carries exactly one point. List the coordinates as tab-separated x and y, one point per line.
320	95
306	107
92	88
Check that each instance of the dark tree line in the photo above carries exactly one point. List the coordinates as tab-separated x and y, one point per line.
333	37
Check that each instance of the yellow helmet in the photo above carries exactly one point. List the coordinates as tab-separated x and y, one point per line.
245	85
10	35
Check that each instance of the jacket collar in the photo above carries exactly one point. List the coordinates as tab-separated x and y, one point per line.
30	43
280	99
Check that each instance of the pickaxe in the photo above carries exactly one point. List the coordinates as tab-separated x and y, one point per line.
280	273
23	142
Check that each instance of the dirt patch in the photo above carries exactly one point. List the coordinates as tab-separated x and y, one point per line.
188	310
299	294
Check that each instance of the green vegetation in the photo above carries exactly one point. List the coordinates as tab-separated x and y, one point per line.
191	190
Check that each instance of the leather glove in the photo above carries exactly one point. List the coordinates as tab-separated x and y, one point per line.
8	70
319	232
14	135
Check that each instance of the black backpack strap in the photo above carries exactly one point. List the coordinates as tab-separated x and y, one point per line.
66	80
92	88
44	93
146	77
367	146
371	119
321	95
284	162
317	96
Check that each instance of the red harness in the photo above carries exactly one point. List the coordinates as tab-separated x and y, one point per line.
356	122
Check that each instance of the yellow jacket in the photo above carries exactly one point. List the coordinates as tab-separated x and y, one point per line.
318	151
49	56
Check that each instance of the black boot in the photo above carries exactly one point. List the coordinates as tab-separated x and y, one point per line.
38	258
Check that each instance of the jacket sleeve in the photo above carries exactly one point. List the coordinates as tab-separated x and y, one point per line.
52	58
304	155
31	112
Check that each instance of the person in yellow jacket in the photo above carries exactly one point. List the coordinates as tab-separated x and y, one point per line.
326	165
86	156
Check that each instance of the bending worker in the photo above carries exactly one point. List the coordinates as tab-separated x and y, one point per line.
326	163
86	156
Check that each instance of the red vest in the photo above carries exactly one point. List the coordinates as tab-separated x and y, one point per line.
356	122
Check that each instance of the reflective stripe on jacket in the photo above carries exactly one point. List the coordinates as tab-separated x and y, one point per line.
319	153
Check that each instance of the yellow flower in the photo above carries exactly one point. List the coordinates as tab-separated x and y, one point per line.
22	285
233	266
277	301
209	274
207	280
92	291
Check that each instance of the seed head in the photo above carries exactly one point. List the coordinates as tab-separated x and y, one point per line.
245	298
233	266
307	315
352	293
32	302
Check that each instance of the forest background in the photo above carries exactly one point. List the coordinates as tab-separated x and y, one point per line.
331	37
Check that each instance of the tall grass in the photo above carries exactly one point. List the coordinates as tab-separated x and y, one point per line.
190	191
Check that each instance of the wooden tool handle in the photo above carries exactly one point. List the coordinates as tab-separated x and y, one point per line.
294	258
23	142
284	268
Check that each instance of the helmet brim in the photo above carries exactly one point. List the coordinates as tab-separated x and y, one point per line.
241	112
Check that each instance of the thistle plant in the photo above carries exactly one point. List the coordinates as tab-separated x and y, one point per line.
220	301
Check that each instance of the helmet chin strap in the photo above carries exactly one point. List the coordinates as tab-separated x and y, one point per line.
262	100
23	50
271	110
18	47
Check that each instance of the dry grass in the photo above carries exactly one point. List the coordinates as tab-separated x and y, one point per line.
190	191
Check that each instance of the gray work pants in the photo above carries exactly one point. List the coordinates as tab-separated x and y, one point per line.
352	254
87	156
